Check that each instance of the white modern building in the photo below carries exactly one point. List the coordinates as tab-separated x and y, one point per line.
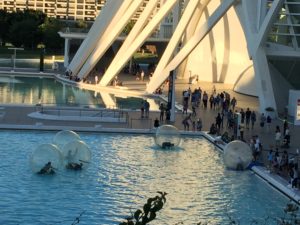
86	10
253	44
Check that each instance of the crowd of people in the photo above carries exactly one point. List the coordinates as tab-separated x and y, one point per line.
225	127
225	124
70	76
221	102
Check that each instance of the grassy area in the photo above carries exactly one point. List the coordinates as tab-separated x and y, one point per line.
6	53
30	53
146	58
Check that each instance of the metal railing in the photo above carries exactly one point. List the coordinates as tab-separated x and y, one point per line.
144	123
120	115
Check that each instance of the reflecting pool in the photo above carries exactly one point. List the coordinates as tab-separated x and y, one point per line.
48	91
124	172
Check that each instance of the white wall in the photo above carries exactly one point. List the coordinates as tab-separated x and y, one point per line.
245	84
222	55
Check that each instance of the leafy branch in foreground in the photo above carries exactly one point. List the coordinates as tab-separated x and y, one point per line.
77	219
142	217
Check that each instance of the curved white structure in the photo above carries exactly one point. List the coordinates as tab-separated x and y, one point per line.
225	41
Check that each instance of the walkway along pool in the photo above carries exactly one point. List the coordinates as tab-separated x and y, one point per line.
124	172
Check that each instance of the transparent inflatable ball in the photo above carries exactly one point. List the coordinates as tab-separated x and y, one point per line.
63	137
77	155
167	136
237	155
45	154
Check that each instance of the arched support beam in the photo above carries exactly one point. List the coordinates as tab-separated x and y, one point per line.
192	44
113	70
173	43
112	9
192	27
109	36
140	39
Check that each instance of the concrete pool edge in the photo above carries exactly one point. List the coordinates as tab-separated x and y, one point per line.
276	181
97	129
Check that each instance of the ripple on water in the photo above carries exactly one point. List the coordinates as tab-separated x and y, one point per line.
124	172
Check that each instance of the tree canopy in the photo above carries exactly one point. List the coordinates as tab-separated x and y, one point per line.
29	28
51	38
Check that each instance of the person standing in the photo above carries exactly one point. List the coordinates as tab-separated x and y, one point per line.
253	119
142	75
162	112
233	103
270	158
186	123
147	108
285	124
262	121
241	127
142	109
205	99
218	121
248	115
199	124
269	121
156	123
277	137
242	116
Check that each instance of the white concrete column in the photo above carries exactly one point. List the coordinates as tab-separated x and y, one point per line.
66	53
191	28
176	15
112	11
173	43
263	80
147	31
113	70
191	45
109	36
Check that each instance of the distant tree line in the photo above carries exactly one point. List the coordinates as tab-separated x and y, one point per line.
29	29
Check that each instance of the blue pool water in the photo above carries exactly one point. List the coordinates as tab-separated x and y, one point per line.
124	172
33	90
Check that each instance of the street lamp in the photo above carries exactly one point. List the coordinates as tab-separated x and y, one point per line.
15	56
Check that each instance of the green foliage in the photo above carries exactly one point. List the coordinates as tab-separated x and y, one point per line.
4	26
24	33
128	27
21	28
18	16
78	218
29	28
145	216
50	29
81	24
